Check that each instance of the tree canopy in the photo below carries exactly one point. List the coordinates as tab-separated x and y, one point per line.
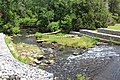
52	15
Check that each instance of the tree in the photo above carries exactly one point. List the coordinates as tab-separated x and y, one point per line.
90	14
114	8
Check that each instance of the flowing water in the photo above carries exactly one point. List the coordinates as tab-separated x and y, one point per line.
99	63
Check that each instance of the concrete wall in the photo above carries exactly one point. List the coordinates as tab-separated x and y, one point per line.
109	31
100	35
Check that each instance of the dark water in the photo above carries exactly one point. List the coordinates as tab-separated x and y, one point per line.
99	63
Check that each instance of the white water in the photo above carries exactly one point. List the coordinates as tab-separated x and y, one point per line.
96	52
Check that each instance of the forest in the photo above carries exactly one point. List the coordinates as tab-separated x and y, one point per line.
54	15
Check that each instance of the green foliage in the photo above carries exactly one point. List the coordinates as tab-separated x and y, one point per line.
51	15
10	29
41	66
39	35
66	23
69	79
53	26
80	77
88	16
114	8
27	21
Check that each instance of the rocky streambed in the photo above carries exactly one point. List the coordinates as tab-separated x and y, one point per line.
98	63
91	64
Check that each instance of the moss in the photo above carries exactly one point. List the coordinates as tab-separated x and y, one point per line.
69	79
80	77
41	66
62	48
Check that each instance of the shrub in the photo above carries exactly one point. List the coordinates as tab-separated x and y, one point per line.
28	21
53	26
11	29
66	24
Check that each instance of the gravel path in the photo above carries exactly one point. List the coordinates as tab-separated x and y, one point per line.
12	69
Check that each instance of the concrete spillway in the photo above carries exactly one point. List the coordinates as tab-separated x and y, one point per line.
109	31
102	34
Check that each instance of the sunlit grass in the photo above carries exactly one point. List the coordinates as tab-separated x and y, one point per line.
14	52
82	42
115	27
17	50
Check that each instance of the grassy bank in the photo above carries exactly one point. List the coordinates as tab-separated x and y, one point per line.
115	27
81	42
21	51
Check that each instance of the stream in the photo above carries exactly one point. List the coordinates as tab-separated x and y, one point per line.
98	63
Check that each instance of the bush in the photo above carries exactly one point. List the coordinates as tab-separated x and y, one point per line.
10	29
53	26
1	21
27	21
66	24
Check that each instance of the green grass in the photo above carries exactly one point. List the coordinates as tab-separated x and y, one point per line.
18	49
82	42
41	35
115	27
14	52
69	79
80	77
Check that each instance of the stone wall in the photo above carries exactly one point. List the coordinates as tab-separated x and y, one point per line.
12	69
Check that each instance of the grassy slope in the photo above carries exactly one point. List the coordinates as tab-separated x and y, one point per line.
18	49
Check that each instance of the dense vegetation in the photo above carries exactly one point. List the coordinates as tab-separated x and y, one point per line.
53	15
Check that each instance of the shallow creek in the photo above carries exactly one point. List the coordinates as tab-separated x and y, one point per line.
99	63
